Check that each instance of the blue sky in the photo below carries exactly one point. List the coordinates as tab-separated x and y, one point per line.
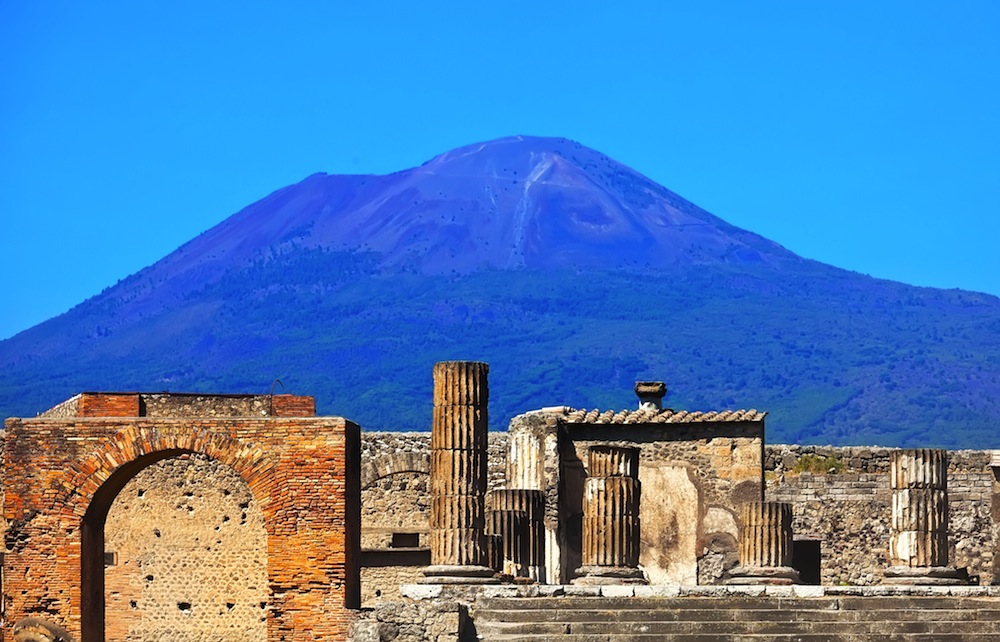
861	134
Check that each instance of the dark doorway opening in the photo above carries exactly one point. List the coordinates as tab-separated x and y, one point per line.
806	560
405	540
92	554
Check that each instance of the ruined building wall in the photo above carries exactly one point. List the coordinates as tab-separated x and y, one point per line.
395	499
693	477
848	511
188	556
61	474
841	497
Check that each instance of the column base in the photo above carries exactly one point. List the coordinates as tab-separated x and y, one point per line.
459	574
752	575
926	575
601	575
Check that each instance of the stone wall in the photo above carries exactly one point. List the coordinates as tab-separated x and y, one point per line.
426	613
186	552
172	404
395	499
847	510
841	497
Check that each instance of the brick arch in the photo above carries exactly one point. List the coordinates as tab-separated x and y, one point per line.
62	474
97	480
392	464
133	444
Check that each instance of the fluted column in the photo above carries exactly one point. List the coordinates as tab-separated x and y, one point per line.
765	545
611	517
525	461
509	525
918	534
459	551
613	461
518	515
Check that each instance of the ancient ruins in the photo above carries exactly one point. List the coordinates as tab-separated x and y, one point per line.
66	471
135	516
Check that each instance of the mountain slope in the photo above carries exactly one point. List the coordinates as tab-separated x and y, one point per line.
573	275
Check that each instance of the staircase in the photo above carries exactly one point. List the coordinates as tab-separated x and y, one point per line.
738	618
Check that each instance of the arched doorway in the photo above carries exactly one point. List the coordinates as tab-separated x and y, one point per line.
185	555
181	541
64	473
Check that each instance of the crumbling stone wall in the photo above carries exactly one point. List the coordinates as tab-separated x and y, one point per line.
381	514
395	498
188	549
693	477
846	505
172	404
848	510
427	614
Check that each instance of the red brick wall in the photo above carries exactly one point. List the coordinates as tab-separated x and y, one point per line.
304	472
108	405
292	406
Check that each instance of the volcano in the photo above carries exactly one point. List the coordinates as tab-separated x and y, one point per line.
570	273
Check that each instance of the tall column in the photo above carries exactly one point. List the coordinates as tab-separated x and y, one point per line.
765	545
918	533
458	475
611	518
519	514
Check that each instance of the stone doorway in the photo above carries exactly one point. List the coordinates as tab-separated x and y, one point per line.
807	560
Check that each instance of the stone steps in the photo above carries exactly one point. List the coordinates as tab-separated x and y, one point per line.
769	637
839	619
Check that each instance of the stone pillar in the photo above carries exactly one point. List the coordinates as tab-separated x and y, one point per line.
494	548
765	545
918	533
611	518
519	516
533	464
525	460
459	552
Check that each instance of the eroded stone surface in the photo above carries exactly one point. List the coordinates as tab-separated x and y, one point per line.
190	556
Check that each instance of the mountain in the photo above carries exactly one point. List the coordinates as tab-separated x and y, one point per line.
570	273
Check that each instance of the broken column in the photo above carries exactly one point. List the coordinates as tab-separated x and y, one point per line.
517	515
611	518
765	545
530	446
918	533
650	394
458	475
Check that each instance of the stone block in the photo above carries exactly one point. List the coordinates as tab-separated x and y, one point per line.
617	590
420	591
803	590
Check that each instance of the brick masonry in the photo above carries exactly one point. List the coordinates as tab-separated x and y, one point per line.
63	473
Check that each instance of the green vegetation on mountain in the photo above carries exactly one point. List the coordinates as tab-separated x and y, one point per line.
834	357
